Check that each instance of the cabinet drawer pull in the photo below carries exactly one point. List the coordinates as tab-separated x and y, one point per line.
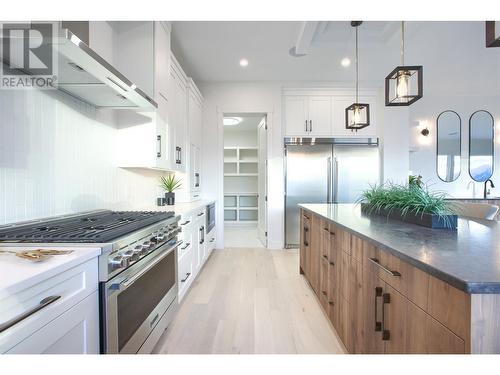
390	272
186	222
326	230
332	233
187	277
306	229
323	292
306	243
378	293
330	303
201	214
43	303
324	256
386	299
186	246
332	263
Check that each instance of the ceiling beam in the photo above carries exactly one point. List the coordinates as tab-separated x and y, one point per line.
306	36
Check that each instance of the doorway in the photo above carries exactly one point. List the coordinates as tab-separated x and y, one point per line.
245	180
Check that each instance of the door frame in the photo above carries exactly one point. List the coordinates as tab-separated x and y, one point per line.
220	173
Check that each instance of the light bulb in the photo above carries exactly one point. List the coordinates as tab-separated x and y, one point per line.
402	84
356	116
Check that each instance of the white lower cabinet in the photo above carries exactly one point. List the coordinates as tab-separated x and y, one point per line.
69	324
195	248
74	332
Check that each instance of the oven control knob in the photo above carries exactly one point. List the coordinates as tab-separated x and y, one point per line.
130	255
118	262
147	245
160	236
139	250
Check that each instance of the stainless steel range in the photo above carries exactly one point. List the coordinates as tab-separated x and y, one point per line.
137	269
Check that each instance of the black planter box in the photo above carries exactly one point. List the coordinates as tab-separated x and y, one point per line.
426	220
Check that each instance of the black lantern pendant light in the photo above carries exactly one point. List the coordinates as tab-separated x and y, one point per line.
404	85
357	115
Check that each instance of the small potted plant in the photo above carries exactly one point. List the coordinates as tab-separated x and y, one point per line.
169	183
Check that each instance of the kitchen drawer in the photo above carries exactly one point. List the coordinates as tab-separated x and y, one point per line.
402	276
185	274
72	286
211	240
186	221
199	215
76	331
186	246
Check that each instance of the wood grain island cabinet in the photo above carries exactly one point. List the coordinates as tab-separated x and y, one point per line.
379	303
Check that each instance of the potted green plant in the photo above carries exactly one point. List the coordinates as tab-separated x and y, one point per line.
411	203
169	183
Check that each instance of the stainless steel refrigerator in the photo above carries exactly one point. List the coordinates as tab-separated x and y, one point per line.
329	170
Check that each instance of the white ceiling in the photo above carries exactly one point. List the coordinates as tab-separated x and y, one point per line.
249	121
210	51
453	53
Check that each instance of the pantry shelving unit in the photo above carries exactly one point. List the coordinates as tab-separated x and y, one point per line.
240	185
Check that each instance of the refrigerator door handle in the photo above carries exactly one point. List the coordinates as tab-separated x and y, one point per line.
335	180
329	180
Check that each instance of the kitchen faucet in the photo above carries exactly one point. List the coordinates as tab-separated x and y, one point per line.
486	192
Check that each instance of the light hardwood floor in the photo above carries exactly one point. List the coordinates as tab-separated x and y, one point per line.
250	301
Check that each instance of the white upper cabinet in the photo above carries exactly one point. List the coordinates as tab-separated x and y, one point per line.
340	103
308	116
178	114
296	115
321	113
162	59
195	101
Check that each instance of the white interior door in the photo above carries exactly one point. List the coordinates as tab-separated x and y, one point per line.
262	183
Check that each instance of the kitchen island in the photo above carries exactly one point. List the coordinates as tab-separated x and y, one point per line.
394	287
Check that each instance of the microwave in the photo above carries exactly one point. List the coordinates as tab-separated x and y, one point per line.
210	217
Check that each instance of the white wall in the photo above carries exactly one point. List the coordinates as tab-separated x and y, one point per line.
57	156
462	75
423	159
237	97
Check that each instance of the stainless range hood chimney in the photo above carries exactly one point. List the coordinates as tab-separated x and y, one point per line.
85	75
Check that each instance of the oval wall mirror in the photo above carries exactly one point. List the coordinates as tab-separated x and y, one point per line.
449	146
481	145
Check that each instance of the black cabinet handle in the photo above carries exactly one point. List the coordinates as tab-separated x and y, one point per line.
390	272
158	144
306	126
386	299
332	233
201	214
310	125
332	263
186	246
186	222
378	293
187	277
324	256
323	292
330	303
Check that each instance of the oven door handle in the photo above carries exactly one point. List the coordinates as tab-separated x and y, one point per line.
128	282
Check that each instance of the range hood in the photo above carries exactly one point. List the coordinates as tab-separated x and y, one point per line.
85	75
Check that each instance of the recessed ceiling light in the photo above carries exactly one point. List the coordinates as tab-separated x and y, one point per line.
231	121
345	62
243	62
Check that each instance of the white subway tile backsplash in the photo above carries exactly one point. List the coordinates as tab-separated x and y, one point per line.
58	156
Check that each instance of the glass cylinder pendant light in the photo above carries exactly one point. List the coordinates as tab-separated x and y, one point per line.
357	115
404	85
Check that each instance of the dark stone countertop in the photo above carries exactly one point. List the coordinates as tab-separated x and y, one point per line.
467	258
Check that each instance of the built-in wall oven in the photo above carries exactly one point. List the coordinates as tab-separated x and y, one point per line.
210	217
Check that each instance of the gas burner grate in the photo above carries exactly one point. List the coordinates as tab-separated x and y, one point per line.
103	226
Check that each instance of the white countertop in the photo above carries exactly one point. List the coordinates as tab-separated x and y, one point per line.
17	274
181	208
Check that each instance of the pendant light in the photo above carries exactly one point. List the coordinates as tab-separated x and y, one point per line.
357	115
404	85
